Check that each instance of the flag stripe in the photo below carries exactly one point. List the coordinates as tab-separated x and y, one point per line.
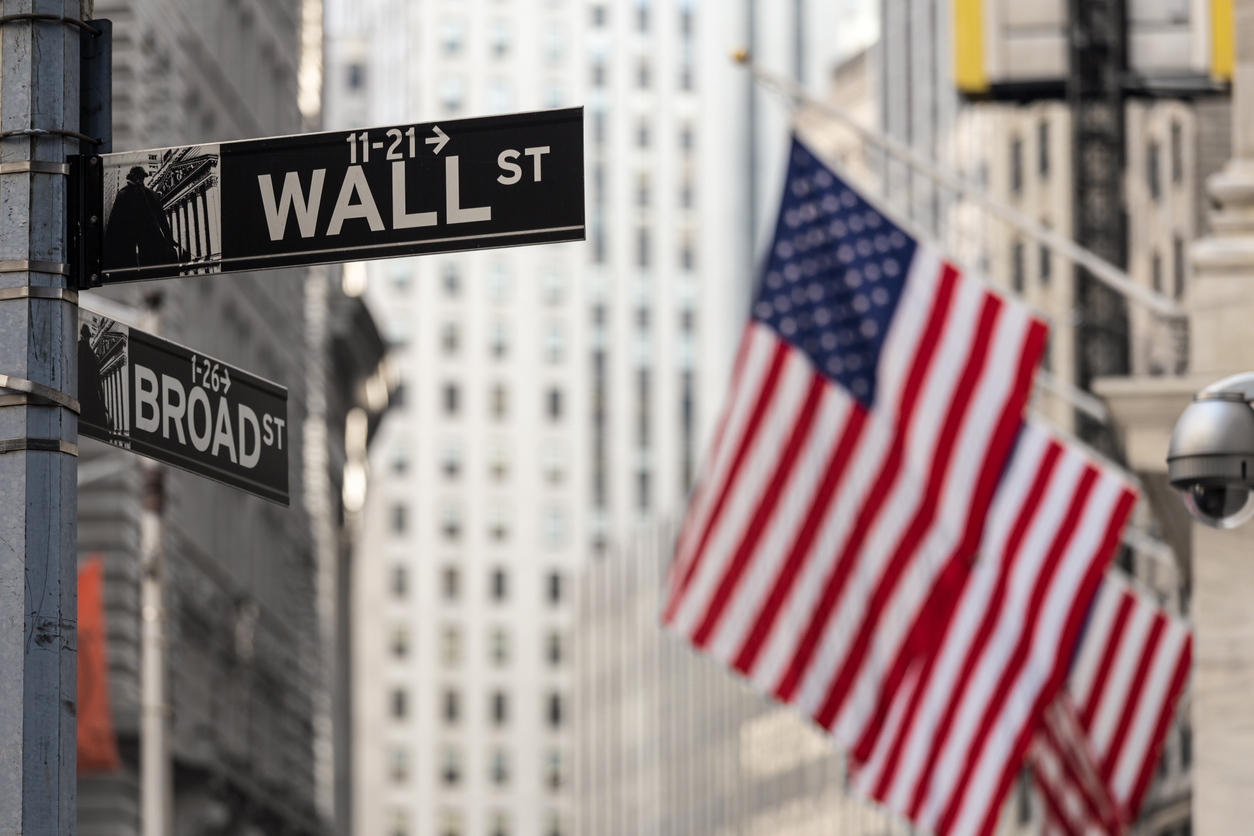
1166	709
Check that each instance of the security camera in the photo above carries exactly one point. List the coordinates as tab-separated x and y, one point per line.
1211	456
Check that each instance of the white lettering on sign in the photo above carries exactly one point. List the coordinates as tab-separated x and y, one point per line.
453	199
536	154
354	183
146	400
291	198
505	161
400	218
164	408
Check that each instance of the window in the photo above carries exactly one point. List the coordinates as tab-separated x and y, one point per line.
687	140
498	521
498	339
498	38
1023	795
499	585
451	521
451	645
450	583
1042	149
686	196
500	767
452	706
598	73
400	703
498	462
643	492
500	824
400	823
398	765
1046	265
555	711
451	459
554	285
554	342
498	646
553	463
598	15
642	74
553	404
687	254
451	93
356	76
1178	266
400	642
685	22
685	75
554	648
642	189
1156	272
451	773
500	402
554	43
1151	170
642	247
451	399
554	587
1016	165
1017	267
554	772
400	518
400	581
499	98
642	133
399	459
1177	152
642	17
554	528
555	826
451	36
499	708
1186	746
452	279
498	281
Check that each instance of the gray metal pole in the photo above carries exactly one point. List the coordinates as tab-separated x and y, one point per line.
38	496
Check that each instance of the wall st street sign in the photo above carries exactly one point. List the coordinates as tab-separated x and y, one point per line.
342	196
154	397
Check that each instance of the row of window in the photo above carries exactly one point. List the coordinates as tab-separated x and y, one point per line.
500	771
644	17
498	401
499	284
452	34
452	824
553	345
554	584
500	647
644	74
552	523
554	712
1018	267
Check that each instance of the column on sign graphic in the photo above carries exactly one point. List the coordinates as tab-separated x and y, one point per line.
113	380
190	217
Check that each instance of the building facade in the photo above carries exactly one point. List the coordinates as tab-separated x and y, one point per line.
254	632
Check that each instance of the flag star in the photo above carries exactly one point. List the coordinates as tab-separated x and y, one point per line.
869	328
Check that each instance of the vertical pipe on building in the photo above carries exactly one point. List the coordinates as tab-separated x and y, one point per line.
39	72
751	126
156	775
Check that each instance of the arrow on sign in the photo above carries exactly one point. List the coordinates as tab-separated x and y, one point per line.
439	140
226	381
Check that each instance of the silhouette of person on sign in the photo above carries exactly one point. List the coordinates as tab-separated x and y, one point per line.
138	233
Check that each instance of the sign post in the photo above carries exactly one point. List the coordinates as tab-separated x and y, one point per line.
343	196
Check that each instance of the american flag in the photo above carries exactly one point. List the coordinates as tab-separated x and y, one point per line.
1130	669
875	396
957	730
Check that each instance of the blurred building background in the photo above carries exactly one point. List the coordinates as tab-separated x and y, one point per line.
255	610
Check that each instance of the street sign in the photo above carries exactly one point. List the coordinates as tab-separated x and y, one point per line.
464	184
157	398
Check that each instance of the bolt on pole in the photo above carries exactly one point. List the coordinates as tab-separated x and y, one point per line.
39	107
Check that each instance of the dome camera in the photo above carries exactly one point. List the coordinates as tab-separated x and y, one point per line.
1211	456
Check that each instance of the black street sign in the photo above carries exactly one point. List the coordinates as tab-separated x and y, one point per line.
154	397
464	184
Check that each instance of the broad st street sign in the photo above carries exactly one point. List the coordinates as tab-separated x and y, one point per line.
343	196
154	397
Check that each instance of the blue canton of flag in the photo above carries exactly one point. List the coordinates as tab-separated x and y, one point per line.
834	275
874	400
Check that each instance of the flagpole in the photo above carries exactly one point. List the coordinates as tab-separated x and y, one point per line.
1067	249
